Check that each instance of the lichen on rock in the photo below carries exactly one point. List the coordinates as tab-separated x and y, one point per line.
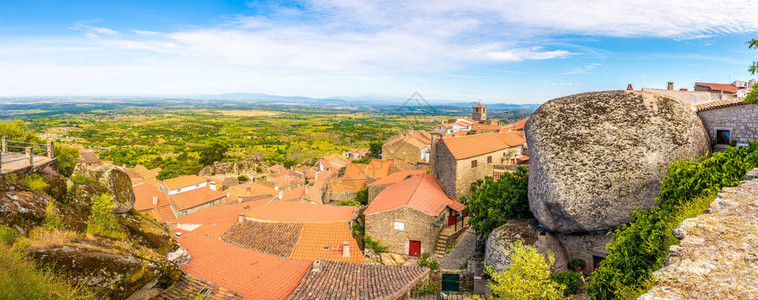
498	246
115	182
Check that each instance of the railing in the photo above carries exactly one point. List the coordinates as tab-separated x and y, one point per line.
446	295
15	151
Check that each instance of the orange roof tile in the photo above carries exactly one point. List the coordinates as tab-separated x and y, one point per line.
479	144
256	189
276	238
479	105
227	213
214	230
397	177
305	192
183	181
143	196
162	214
286	211
354	171
194	197
421	192
718	86
254	274
346	186
378	168
325	241
720	104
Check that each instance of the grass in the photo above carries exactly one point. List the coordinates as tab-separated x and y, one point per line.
52	220
102	221
35	182
348	203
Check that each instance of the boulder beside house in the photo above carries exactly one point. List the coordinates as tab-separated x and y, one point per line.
729	120
408	216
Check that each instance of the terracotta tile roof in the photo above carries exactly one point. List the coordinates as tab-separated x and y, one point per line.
162	214
417	138
401	166
286	173
346	186
143	196
276	238
378	168
479	105
336	160
227	213
277	168
254	274
354	171
256	189
89	156
718	86
194	197
720	104
183	181
188	287
397	177
344	280
479	144
286	211
325	241
214	230
421	192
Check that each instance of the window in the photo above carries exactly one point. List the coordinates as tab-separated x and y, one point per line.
473	163
400	226
211	204
184	213
723	137
489	159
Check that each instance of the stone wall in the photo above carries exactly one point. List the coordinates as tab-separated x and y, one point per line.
445	168
740	120
457	176
585	247
418	227
691	97
716	257
401	150
374	190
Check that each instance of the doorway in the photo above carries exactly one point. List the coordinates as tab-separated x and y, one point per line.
414	248
723	137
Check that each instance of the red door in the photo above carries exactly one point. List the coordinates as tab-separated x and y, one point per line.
414	248
451	219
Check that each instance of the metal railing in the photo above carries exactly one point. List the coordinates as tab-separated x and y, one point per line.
28	151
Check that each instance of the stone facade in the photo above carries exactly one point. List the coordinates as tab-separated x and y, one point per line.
374	190
457	176
191	210
740	120
403	150
418	227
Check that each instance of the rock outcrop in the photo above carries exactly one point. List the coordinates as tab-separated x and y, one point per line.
717	255
247	167
114	181
595	157
498	248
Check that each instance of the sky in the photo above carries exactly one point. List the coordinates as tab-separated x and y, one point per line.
477	50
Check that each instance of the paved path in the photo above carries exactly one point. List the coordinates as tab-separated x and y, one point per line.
16	165
465	249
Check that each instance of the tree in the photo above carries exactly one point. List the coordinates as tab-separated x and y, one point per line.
362	196
753	44
752	97
493	202
375	148
527	277
215	152
68	157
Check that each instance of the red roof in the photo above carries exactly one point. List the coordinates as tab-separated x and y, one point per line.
195	197
325	241
397	177
479	105
479	144
354	171
254	274
378	168
718	86
227	213
287	211
422	192
143	196
720	104
162	214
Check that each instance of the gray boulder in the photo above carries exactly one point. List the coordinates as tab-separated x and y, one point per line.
115	181
498	247
595	157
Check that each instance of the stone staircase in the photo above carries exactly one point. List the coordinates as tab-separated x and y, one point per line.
448	235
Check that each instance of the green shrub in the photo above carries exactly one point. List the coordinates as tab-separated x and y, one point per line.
8	235
493	202
376	245
348	203
640	247
571	280
577	263
52	220
21	279
358	229
243	178
35	182
67	157
425	261
103	221
362	196
527	277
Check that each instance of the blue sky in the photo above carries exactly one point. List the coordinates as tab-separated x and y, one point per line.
493	51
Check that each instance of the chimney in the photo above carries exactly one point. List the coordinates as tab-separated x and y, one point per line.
671	86
242	217
629	87
345	249
683	89
276	187
247	190
239	198
280	195
436	136
316	266
213	185
155	200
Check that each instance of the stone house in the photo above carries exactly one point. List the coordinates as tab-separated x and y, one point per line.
411	146
378	186
408	216
730	120
460	161
189	194
377	169
89	159
723	89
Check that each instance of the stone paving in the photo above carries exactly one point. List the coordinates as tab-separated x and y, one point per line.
465	249
20	164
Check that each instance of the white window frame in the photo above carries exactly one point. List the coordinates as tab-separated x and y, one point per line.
401	226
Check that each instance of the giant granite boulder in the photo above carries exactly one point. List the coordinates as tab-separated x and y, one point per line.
115	182
595	157
498	246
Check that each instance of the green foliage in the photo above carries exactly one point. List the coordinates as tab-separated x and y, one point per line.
753	44
376	245
358	230
362	196
8	235
375	148
527	277
752	97
243	178
68	157
363	160
571	280
213	153
21	279
348	203
103	221
35	182
16	130
493	203
641	247
577	263
425	261
52	220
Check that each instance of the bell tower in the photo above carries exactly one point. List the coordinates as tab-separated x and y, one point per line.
479	113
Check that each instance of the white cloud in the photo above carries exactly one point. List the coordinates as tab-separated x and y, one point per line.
582	70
